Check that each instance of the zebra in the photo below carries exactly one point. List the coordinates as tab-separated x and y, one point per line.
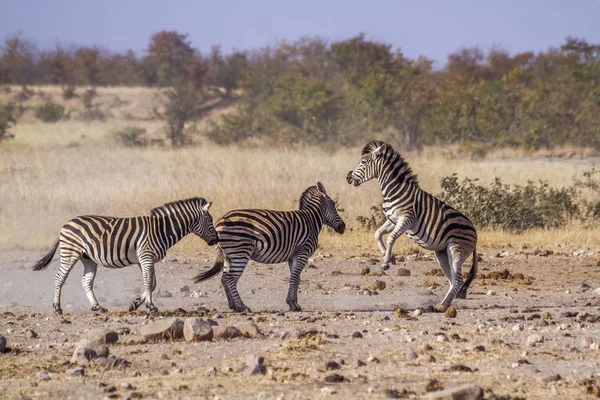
271	237
428	221
119	242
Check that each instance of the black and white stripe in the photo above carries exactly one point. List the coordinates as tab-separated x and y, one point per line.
272	237
120	242
430	222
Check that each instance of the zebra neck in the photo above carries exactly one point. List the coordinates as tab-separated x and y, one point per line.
170	230
315	214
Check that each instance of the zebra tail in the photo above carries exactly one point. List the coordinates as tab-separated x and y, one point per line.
473	270
216	268
45	261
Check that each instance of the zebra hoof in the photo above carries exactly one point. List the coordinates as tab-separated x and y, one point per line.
152	310
385	267
99	309
58	312
294	306
440	308
241	309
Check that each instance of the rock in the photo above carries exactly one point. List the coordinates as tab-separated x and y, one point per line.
360	363
249	329
127	385
517	327
491	292
31	334
365	271
478	347
534	339
433	385
585	342
403	272
450	312
123	331
401	312
328	391
426	358
426	347
373	359
442	338
42	376
377	285
225	332
75	372
463	392
596	292
102	335
546	315
551	378
332	365
2	344
184	289
113	362
357	335
255	366
87	350
334	378
410	356
197	330
168	328
417	312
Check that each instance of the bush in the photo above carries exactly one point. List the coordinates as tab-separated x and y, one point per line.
7	119
373	221
132	136
88	98
68	92
50	112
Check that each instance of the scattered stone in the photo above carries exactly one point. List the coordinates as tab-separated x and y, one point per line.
328	390
441	338
373	359
360	363
459	368
534	339
113	362
491	292
333	378
478	347
225	332
586	342
426	347
365	271
450	312
123	331
168	328
596	292
426	358
401	312
332	365
31	334
102	335
403	272
2	344
546	315
463	392
127	385
184	289
249	329
574	350
42	376
88	350
75	372
196	294
410	356
517	327
551	378
197	330
433	385
357	335
376	286
336	272
417	312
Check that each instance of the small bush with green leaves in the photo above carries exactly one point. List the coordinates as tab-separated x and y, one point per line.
132	136
7	120
69	92
50	112
88	98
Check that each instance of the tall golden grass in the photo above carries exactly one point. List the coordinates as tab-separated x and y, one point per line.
52	172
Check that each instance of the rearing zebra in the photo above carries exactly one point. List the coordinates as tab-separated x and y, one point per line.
120	242
272	237
430	222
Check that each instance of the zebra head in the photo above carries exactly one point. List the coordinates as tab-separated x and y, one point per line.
329	210
203	226
368	167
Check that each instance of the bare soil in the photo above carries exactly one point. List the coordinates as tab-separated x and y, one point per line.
518	294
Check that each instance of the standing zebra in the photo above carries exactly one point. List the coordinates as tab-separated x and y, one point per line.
120	242
272	237
430	222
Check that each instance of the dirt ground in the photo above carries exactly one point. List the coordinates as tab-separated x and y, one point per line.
485	344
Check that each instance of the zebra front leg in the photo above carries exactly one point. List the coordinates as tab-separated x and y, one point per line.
87	281
138	301
296	265
384	229
401	227
67	262
229	281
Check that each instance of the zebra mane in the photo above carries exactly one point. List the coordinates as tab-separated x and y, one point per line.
395	157
167	208
307	196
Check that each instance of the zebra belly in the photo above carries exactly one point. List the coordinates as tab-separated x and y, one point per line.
426	242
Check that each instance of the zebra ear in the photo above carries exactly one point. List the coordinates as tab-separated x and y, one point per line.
377	152
321	188
206	207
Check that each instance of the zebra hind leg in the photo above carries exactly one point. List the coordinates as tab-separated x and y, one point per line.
225	284
68	259
457	258
138	301
89	274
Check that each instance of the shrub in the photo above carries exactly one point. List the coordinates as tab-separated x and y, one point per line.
68	92
132	136
373	221
50	112
7	119
88	98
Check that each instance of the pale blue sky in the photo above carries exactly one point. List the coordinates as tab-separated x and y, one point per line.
432	28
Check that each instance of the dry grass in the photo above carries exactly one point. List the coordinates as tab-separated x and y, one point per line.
52	172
